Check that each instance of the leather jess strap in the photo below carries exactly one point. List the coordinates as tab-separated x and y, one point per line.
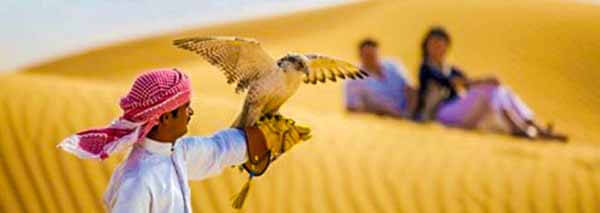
259	155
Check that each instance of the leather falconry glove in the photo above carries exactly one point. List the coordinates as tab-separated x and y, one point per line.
269	139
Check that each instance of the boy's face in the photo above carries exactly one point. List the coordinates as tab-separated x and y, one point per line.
177	122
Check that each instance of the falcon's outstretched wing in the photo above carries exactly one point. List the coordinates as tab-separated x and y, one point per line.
321	68
242	59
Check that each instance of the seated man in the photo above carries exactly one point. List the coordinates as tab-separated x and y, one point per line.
385	92
154	177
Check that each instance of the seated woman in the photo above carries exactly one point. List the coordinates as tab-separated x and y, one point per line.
385	92
484	103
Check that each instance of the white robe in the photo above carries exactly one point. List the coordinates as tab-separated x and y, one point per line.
155	179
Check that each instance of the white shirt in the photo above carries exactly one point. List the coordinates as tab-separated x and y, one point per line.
155	179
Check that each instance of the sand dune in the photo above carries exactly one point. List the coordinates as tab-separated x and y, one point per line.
547	51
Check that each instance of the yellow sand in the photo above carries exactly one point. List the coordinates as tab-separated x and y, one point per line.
546	51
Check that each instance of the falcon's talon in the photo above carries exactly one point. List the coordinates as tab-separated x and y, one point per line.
265	117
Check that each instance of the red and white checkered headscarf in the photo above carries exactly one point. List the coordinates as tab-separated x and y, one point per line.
152	94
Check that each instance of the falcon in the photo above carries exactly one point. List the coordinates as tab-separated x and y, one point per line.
269	83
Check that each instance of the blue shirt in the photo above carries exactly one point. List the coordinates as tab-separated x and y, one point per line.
380	94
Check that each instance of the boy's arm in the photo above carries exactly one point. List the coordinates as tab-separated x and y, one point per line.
253	147
208	156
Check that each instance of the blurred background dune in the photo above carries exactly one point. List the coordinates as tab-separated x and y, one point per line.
547	51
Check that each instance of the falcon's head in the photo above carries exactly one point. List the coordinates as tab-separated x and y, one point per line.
293	62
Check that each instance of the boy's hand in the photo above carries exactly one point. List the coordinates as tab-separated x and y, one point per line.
270	138
282	134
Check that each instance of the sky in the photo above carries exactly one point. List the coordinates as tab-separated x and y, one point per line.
34	31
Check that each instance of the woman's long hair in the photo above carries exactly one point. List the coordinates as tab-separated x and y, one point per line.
436	31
